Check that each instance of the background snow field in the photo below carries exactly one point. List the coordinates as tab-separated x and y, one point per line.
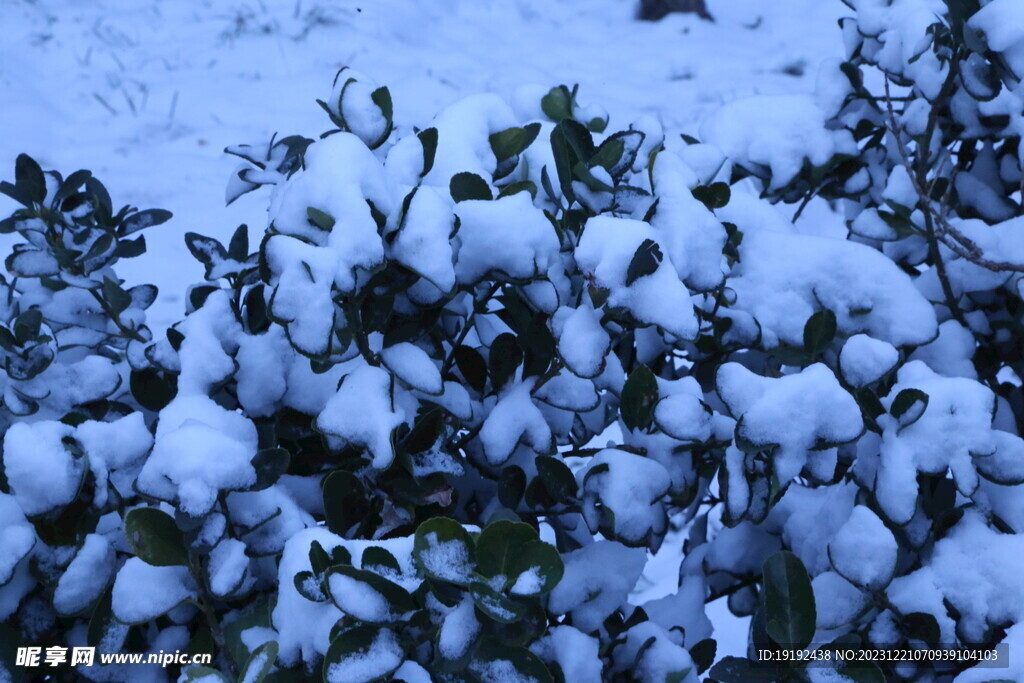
147	94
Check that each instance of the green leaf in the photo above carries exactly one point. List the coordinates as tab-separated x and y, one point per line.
511	486
466	186
503	359
131	248
206	250
345	501
379	558
495	605
908	406
519	186
512	142
309	586
557	104
27	326
428	140
557	478
118	299
645	261
398	599
639	396
195	673
819	331
318	218
543	562
472	366
713	196
155	538
152	390
261	661
525	663
609	153
499	543
788	600
368	644
270	464
443	549
740	670
238	247
104	626
142	220
703	654
29	178
382	98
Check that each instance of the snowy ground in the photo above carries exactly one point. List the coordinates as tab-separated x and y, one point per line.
147	94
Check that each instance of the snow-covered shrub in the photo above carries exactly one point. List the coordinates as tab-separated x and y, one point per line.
915	141
476	374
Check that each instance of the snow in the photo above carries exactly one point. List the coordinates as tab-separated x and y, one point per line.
631	487
383	656
604	253
795	412
784	278
143	592
447	560
357	599
362	413
86	577
955	427
16	536
200	450
658	660
514	419
113	446
837	601
864	360
423	240
507	236
598	578
42	473
582	342
228	566
864	550
458	630
574	652
777	132
413	365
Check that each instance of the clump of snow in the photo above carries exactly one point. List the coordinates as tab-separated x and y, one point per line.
143	592
582	342
575	653
597	580
864	550
782	279
414	366
507	236
228	565
514	419
362	413
42	473
458	629
200	450
604	253
797	413
777	133
86	577
864	360
630	486
652	655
